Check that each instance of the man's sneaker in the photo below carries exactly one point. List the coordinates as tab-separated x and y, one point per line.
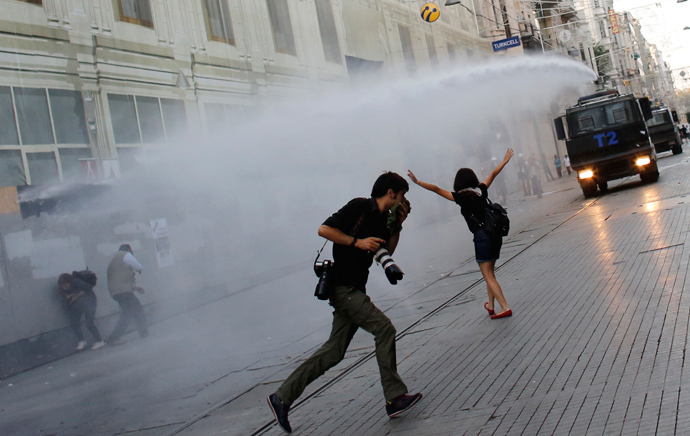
81	345
399	404
280	412
98	345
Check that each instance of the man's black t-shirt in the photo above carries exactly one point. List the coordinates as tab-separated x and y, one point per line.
351	263
472	206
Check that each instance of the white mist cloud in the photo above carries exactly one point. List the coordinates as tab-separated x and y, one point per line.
262	188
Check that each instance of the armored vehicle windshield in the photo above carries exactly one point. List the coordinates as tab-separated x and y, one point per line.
584	120
660	117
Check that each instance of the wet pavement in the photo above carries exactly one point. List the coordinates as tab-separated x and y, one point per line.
596	344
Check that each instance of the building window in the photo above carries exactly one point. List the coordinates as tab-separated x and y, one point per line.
11	168
174	117
140	119
52	116
150	119
8	122
220	115
431	48
69	160
451	52
406	43
282	28
43	168
136	12
33	116
329	34
124	118
218	21
39	116
69	121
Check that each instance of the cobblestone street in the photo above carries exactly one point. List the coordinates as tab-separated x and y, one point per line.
596	344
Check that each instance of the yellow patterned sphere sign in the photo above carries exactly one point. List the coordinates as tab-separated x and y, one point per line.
430	12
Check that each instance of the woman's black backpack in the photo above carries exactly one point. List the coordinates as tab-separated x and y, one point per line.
496	221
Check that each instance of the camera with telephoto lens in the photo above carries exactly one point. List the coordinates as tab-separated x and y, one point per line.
324	271
393	271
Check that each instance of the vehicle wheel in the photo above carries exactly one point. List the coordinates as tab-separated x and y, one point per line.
589	189
678	149
603	186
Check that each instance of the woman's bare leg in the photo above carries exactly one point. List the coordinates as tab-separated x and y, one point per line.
492	286
491	296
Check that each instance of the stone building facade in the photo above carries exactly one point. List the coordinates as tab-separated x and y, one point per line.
90	85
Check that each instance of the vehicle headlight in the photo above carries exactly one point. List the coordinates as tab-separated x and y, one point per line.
643	161
586	174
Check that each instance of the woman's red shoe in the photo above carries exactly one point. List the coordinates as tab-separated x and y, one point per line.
486	306
502	314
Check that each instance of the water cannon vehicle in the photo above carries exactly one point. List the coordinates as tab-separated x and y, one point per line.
606	137
663	129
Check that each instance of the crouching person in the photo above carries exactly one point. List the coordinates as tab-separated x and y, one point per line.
357	231
80	300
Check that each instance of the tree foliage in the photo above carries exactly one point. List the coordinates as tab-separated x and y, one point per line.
603	61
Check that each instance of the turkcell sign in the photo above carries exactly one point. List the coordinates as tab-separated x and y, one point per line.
505	44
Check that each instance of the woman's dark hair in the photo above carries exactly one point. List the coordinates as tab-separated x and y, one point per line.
125	247
465	178
64	278
389	180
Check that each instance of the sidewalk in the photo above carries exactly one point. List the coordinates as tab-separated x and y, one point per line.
596	344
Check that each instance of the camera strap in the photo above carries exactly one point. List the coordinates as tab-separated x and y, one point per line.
352	233
318	253
358	224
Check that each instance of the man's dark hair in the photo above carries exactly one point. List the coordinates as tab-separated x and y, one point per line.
389	180
64	278
465	178
125	247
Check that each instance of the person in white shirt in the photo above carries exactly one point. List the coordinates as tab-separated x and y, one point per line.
566	164
122	285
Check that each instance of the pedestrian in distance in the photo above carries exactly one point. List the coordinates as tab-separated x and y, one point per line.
523	175
545	168
533	173
471	196
566	163
358	230
80	300
122	285
558	165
